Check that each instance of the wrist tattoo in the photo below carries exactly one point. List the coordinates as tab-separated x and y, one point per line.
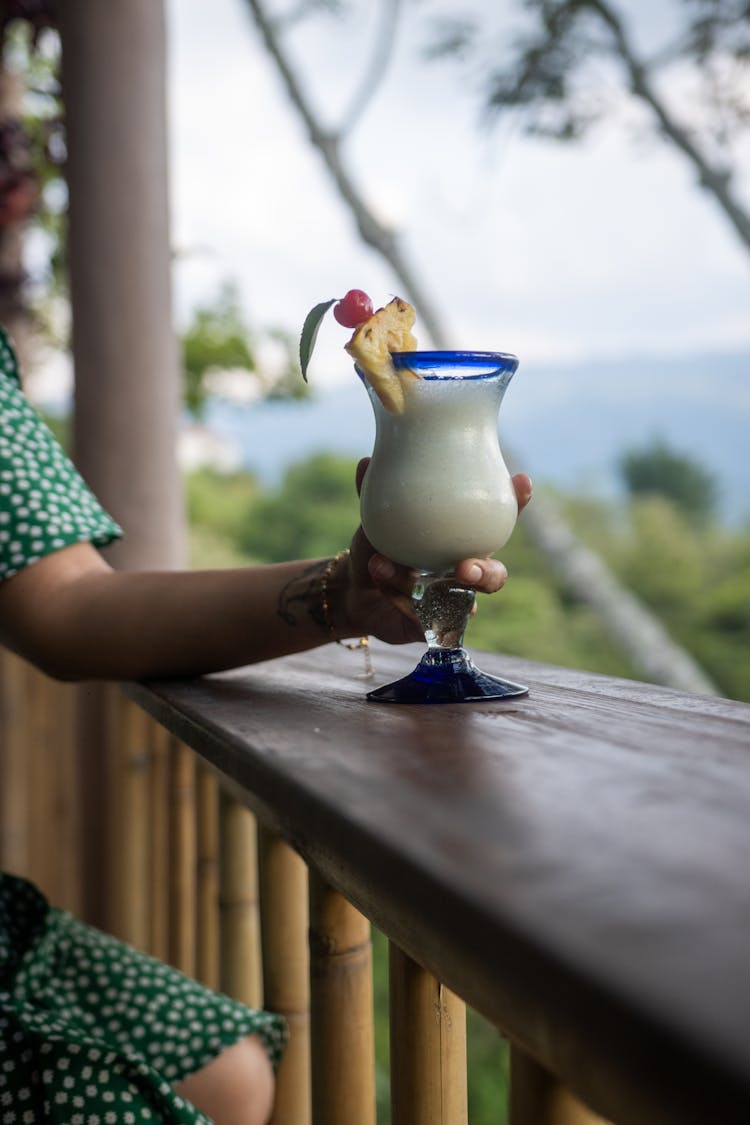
303	595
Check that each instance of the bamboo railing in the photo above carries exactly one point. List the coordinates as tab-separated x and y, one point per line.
193	879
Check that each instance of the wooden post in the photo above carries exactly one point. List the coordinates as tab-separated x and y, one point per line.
182	858
286	977
126	356
342	1036
208	936
428	1047
240	923
538	1098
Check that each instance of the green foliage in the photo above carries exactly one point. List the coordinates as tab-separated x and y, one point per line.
719	631
533	617
217	500
314	512
488	1072
217	337
207	550
696	581
215	506
660	554
530	618
656	469
38	61
382	1030
286	382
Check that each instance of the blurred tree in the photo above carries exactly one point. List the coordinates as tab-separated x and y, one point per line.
26	157
721	632
217	501
658	470
551	74
216	506
216	338
220	342
313	513
696	579
32	147
661	555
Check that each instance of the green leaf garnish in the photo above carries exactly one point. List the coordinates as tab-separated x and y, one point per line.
310	333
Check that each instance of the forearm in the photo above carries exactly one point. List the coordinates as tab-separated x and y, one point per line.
123	625
197	621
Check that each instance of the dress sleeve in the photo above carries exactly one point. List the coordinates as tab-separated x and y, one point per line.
44	502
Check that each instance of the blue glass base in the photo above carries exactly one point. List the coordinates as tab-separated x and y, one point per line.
446	676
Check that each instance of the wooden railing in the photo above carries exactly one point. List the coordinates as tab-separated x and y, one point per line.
572	865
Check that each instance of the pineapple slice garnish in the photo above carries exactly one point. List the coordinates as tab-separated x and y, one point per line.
387	330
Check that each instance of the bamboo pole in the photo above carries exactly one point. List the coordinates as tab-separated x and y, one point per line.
240	922
43	780
62	715
159	882
182	854
129	852
538	1098
428	1047
286	977
342	1036
14	764
208	935
54	793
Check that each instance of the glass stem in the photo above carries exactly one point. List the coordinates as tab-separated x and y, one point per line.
443	607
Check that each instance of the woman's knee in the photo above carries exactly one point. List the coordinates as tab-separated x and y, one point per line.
235	1088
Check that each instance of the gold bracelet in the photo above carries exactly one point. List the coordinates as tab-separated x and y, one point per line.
363	642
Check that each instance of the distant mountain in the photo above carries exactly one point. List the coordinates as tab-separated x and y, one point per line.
565	424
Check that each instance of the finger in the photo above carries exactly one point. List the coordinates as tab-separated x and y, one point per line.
359	559
389	577
360	474
522	485
485	575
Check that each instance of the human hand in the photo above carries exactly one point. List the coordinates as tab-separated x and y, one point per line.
377	596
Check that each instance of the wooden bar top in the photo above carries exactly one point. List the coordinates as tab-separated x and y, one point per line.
575	864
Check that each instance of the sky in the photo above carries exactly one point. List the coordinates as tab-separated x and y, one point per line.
561	254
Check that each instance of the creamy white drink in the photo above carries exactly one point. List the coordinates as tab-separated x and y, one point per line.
437	489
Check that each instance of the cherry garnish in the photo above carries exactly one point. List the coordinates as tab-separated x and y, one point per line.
353	309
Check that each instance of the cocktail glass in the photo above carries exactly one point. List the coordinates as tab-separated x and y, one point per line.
437	490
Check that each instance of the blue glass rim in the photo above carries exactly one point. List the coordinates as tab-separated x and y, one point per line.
473	365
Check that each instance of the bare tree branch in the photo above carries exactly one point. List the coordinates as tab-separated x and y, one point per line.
583	573
377	67
371	230
636	631
717	181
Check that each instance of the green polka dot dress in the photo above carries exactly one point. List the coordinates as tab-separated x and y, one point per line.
44	504
92	1032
